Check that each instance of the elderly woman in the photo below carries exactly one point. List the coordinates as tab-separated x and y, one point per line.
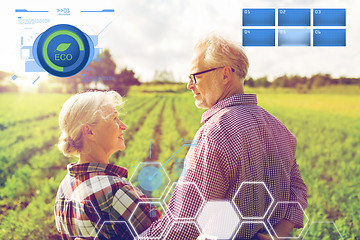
94	199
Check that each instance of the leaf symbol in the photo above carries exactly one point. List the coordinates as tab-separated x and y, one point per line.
62	47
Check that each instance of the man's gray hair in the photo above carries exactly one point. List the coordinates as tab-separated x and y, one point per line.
222	52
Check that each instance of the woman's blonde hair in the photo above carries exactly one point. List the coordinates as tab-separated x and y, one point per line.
82	108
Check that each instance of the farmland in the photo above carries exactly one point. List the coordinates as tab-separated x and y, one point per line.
327	127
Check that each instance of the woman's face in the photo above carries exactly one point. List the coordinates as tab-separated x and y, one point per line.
109	132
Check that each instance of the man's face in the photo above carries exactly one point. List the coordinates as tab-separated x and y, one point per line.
208	89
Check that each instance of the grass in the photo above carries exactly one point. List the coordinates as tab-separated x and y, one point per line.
326	125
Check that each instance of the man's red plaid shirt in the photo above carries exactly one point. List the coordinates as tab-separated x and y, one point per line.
238	142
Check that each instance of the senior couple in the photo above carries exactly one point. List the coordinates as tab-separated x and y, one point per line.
238	142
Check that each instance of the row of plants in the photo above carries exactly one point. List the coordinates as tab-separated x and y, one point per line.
17	109
326	126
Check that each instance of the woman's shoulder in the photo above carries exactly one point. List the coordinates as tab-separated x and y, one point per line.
82	187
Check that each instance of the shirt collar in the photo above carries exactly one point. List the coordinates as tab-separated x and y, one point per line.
236	99
85	168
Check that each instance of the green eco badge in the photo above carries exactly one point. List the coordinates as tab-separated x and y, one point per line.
63	50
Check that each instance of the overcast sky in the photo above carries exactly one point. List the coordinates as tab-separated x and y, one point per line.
149	35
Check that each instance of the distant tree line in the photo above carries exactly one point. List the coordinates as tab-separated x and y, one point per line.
100	75
163	77
7	85
301	83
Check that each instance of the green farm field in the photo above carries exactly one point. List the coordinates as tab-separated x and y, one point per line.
327	127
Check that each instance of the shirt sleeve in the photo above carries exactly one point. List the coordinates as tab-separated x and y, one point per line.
298	193
208	168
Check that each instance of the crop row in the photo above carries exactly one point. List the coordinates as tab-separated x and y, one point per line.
24	108
180	123
19	154
139	148
134	120
36	220
170	143
26	132
328	154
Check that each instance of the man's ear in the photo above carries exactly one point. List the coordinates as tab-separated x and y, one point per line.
87	131
227	74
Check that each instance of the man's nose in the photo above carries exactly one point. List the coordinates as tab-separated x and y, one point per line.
190	85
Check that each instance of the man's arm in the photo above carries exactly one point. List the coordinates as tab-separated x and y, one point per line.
205	172
282	229
294	215
298	193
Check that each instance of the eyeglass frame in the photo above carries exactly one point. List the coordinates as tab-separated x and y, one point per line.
191	76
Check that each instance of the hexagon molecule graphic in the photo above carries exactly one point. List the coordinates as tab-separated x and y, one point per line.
218	218
245	196
80	226
151	178
134	221
322	230
278	210
187	195
108	226
178	228
169	193
252	225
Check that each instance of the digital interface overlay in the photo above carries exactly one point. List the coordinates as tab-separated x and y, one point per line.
314	27
54	42
32	24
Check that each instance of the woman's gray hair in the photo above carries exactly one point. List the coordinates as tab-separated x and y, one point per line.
222	52
82	108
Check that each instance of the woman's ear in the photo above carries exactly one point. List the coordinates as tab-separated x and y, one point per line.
87	131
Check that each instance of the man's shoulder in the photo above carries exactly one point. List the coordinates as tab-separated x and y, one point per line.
235	120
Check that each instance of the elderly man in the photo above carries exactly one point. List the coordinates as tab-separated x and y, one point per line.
239	142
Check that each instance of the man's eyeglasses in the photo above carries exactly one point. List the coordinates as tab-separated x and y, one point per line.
193	78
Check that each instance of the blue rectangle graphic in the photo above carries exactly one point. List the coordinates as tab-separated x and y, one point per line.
258	17
104	10
329	37
32	66
94	39
329	17
294	37
294	17
97	54
24	10
259	37
28	50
